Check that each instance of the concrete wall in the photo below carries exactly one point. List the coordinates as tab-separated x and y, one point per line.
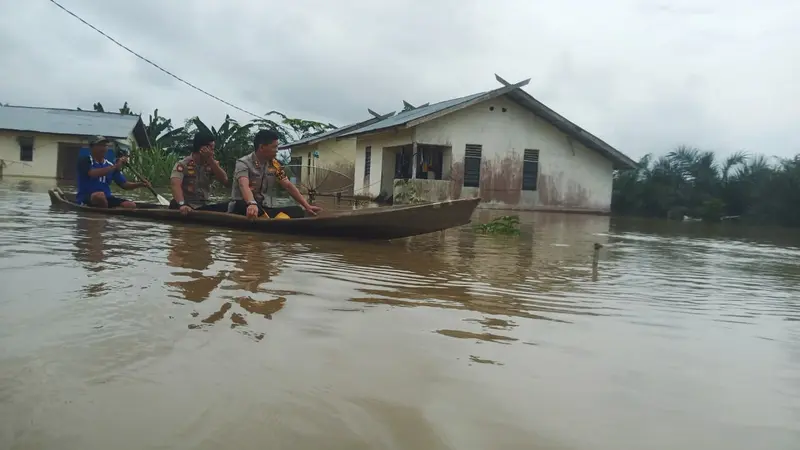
571	177
337	156
333	154
378	142
45	154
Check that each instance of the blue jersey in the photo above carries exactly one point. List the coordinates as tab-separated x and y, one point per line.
89	185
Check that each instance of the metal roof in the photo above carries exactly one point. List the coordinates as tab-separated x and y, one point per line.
412	114
72	122
414	117
334	133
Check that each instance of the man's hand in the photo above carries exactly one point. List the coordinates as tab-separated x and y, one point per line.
252	211
313	210
121	161
185	209
207	154
145	183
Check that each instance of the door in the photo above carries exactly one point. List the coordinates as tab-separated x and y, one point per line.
67	161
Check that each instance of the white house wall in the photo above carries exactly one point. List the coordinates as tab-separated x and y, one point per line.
333	154
378	142
45	154
570	175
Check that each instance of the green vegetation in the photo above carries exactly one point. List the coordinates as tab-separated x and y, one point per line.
689	182
406	192
508	225
152	163
232	140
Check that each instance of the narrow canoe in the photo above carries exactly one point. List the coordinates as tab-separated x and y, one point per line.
368	223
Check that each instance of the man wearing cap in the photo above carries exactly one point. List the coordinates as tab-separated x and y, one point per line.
95	174
256	178
192	177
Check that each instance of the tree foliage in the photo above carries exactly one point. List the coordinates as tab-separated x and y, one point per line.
232	138
695	183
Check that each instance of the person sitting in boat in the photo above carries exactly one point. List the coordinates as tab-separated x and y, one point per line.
95	174
192	177
256	180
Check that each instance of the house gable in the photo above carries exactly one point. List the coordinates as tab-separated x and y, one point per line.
568	175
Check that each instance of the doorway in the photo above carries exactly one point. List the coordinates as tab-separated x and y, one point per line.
67	162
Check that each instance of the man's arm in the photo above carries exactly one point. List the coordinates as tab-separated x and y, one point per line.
291	188
123	182
219	174
242	176
176	181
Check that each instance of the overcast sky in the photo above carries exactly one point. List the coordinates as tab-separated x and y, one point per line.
642	75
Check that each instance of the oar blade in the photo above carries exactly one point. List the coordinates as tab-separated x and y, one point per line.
162	201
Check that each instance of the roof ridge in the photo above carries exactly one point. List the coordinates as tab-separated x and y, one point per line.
71	110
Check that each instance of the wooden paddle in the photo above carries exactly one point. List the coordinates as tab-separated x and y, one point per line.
161	200
123	150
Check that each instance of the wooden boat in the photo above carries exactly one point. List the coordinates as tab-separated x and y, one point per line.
368	223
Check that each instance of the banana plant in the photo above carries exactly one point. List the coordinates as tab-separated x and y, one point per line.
232	140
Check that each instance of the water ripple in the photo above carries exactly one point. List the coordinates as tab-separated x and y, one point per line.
92	302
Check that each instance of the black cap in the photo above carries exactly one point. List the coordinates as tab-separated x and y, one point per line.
201	139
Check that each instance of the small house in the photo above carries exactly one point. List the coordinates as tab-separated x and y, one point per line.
324	150
45	142
502	145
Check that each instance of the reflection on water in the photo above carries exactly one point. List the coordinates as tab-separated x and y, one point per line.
164	335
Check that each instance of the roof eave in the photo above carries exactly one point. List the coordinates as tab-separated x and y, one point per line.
312	141
390	129
140	134
446	111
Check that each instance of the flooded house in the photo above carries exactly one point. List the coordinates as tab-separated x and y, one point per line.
45	142
325	151
502	145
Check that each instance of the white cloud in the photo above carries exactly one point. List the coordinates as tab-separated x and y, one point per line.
644	76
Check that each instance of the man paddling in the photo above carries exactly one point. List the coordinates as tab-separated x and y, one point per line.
256	178
95	174
192	177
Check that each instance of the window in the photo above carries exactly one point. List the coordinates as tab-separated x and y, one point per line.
367	162
25	148
472	165
296	167
530	169
308	169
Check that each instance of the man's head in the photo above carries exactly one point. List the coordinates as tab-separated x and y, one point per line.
266	143
98	146
201	140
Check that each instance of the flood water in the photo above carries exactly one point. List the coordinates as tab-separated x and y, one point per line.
130	334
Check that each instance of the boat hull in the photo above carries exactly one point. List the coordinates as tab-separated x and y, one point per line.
368	223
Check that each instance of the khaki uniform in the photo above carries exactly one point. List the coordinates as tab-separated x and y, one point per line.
264	182
195	179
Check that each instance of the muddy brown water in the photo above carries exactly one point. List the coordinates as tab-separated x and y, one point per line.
130	334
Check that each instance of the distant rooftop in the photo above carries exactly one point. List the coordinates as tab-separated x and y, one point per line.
72	122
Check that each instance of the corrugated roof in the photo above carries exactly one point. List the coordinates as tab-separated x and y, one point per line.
333	133
70	122
423	114
413	114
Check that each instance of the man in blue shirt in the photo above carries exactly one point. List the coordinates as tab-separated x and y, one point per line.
95	174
